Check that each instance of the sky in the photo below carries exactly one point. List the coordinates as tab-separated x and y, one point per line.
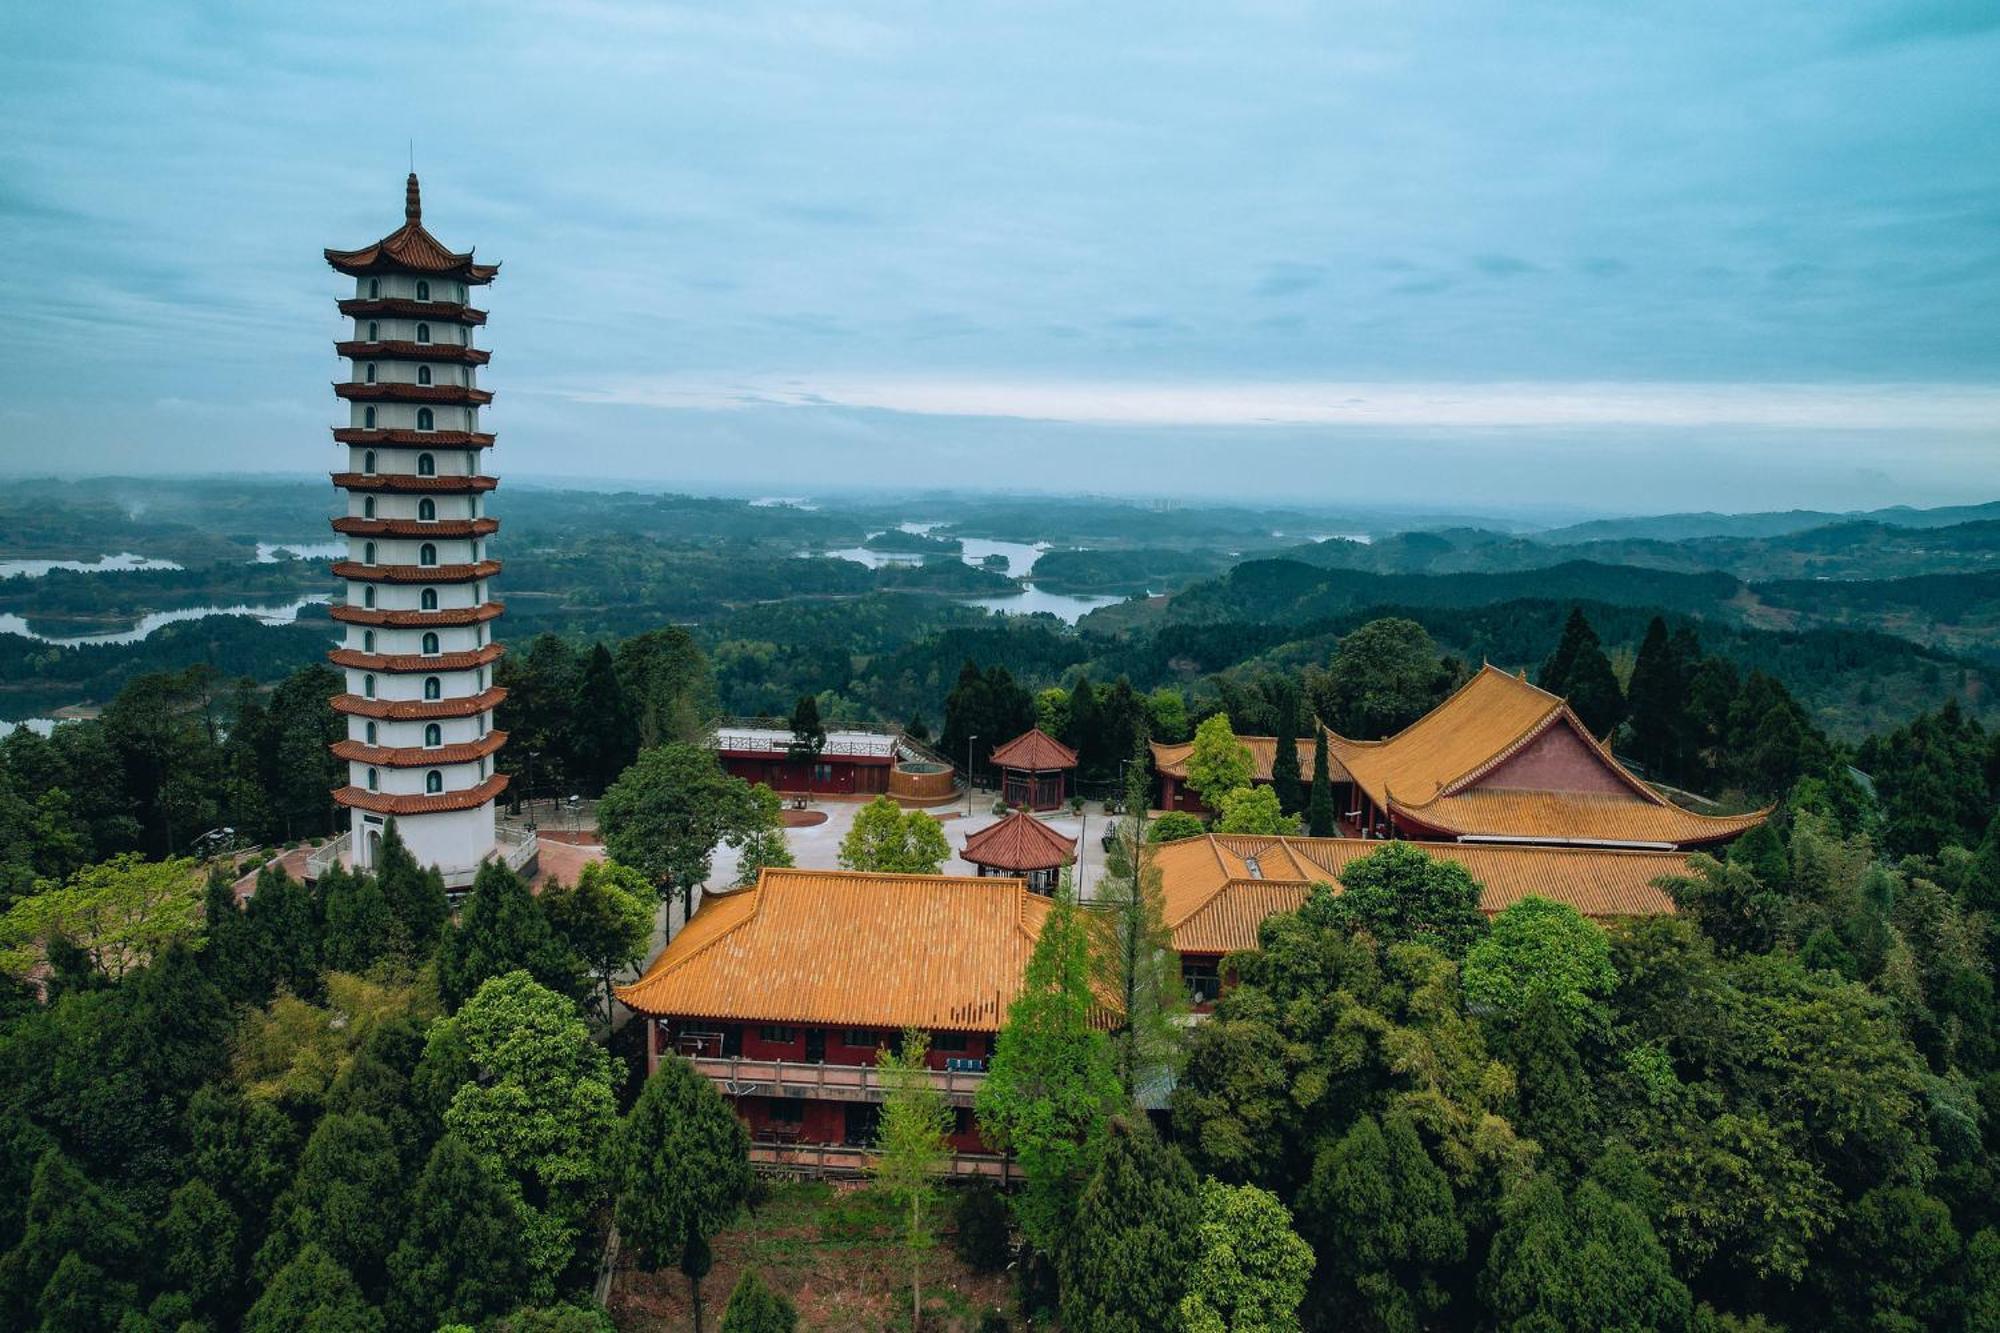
1611	257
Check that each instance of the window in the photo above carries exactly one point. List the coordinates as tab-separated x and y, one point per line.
374	332
427	465
433	782
430	643
433	688
427	554
424	422
371	733
374	288
428	599
368	372
788	1110
368	641
461	293
482	768
465	376
822	773
423	333
1202	978
368	596
427	510
469	424
368	418
423	294
464	336
367	506
778	1036
368	459
368	553
479	676
950	1041
433	736
373	781
423	374
368	686
863	1039
471	458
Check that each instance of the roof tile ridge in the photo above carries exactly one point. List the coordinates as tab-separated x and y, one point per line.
1440	705
756	907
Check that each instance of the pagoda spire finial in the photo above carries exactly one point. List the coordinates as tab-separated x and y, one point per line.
413	204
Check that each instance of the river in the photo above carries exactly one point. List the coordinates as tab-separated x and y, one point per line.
282	614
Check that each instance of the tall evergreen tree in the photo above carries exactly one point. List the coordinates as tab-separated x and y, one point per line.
313	1292
1657	697
457	1261
1381	1216
348	1176
414	895
1285	762
1126	1261
605	738
1085	730
1580	672
1136	960
754	1308
69	1220
359	927
286	931
502	929
1320	816
203	1250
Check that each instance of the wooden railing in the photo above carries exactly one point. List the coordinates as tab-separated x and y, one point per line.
823	1082
832	1159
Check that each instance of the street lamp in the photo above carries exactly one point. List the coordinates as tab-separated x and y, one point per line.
968	773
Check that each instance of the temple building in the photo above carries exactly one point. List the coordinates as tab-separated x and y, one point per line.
419	652
1499	761
1021	845
1035	770
782	994
1170	764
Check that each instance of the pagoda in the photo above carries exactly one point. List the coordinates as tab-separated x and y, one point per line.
419	653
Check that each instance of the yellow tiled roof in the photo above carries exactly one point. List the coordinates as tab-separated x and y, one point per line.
846	947
1219	889
1575	817
1172	759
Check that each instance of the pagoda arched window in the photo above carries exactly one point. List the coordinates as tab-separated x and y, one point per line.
371	733
374	783
425	421
465	376
368	458
430	643
427	464
367	506
430	599
464	334
427	510
368	641
423	374
374	288
368	686
433	782
368	596
368	553
433	688
368	372
423	333
427	554
461	293
423	290
433	736
374	332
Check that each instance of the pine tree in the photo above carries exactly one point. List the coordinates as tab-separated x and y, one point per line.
1579	671
203	1244
502	929
340	1200
414	894
1320	818
755	1308
604	734
683	1169
1126	1261
1136	962
359	927
1085	733
1381	1216
1285	762
69	1220
312	1292
1658	697
912	1147
808	732
458	1261
286	936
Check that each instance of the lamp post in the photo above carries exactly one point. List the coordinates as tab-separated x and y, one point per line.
968	773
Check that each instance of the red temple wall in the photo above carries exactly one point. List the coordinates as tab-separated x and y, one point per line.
1557	760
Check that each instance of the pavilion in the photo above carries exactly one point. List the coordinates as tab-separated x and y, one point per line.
1034	770
1021	846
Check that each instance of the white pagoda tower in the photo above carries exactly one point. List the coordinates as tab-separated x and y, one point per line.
419	650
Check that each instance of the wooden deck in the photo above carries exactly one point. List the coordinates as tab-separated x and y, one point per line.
737	1077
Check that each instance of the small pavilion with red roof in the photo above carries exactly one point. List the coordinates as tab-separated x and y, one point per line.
1034	770
1021	846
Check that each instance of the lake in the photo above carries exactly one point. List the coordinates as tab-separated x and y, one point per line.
267	552
1020	556
282	614
104	564
1066	607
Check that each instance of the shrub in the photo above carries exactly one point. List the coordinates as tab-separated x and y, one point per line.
994	1321
983	1240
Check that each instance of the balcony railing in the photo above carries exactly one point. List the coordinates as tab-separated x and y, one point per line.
515	843
831	1159
331	853
823	1082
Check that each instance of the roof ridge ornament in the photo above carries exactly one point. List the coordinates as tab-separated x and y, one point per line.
413	202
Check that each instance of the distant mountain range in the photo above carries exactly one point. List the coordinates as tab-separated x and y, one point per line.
1683	527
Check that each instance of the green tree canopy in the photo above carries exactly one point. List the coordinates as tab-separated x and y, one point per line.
313	1294
1128	1258
889	839
1384	676
1174	825
122	913
458	1260
912	1147
754	1308
1219	763
1579	671
1383	1215
605	919
502	929
1251	1273
1537	947
666	814
1400	893
1254	810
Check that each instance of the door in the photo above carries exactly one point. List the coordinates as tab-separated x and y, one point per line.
732	1040
815	1046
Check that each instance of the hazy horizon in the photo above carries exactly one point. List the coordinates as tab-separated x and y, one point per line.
1374	256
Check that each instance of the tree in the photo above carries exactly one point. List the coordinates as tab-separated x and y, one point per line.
1291	793
1382	1216
683	1169
415	895
755	1308
808	732
1579	671
606	919
889	839
68	1220
286	936
457	1261
1252	1270
1320	818
1254	810
1166	714
1127	1260
348	1172
535	1105
122	913
765	845
1399	893
203	1237
500	930
1051	1083
1586	1261
1384	676
1658	698
912	1146
1219	763
668	686
358	925
981	1233
1537	947
1174	825
315	1294
668	811
604	737
1136	962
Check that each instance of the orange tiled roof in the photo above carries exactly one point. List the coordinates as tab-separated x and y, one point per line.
1219	889
848	947
1570	817
1172	759
383	803
1019	842
1034	751
411	248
